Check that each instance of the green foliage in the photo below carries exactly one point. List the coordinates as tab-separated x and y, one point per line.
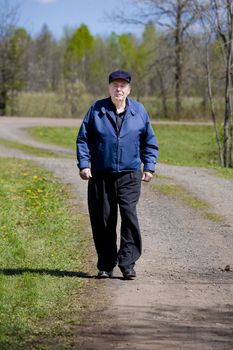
127	50
81	43
42	247
12	60
76	66
17	46
79	63
112	51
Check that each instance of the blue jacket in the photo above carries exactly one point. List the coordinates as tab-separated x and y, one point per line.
101	148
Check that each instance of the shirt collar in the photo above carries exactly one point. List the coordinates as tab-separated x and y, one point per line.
110	107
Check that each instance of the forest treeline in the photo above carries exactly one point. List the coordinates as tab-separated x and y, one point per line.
76	68
181	65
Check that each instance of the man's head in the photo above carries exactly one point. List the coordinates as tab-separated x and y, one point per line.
119	86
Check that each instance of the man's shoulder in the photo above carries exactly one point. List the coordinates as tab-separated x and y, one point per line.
136	106
98	104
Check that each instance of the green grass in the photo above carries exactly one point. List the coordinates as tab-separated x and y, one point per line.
64	137
42	248
179	192
224	172
186	145
189	145
39	152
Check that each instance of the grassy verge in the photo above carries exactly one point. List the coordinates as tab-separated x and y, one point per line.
42	259
179	192
39	152
63	136
189	145
186	145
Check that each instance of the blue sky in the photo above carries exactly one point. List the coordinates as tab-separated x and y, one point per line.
58	13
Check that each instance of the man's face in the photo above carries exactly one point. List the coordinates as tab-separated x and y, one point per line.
119	89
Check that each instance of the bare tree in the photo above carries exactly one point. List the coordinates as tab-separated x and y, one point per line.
217	17
174	15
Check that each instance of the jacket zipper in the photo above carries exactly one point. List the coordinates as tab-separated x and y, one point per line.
118	154
118	150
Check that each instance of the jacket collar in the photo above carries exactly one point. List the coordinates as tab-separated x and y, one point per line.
109	108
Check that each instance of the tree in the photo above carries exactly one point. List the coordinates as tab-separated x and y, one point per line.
17	58
43	61
76	63
174	15
99	63
217	17
161	72
144	58
79	47
8	20
126	52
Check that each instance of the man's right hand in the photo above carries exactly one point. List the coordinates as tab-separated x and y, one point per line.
85	173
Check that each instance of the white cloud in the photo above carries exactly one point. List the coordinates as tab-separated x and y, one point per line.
45	1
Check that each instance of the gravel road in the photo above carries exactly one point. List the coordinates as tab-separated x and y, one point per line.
182	297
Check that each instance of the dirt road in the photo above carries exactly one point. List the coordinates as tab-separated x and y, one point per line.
182	297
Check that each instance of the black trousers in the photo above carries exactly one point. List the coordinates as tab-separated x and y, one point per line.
105	194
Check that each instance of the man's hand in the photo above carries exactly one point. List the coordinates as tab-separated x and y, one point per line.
85	173
147	176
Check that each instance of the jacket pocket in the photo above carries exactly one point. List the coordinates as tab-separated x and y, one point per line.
129	153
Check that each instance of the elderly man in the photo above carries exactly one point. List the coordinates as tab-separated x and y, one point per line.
113	142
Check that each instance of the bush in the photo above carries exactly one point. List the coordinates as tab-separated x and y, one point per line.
76	104
50	104
193	109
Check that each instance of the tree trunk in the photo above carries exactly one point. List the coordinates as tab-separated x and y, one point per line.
163	94
212	107
2	103
3	96
227	118
227	141
3	90
178	57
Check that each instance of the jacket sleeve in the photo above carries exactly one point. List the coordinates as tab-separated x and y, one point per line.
83	142
149	146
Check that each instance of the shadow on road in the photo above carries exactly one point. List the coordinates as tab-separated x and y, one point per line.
55	272
162	327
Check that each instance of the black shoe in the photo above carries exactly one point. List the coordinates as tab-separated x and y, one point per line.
129	274
105	274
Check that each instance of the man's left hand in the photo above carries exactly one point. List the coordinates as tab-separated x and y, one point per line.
147	176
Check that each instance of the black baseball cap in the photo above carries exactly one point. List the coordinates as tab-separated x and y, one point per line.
119	74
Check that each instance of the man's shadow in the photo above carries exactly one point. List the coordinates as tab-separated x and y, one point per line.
51	272
55	272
